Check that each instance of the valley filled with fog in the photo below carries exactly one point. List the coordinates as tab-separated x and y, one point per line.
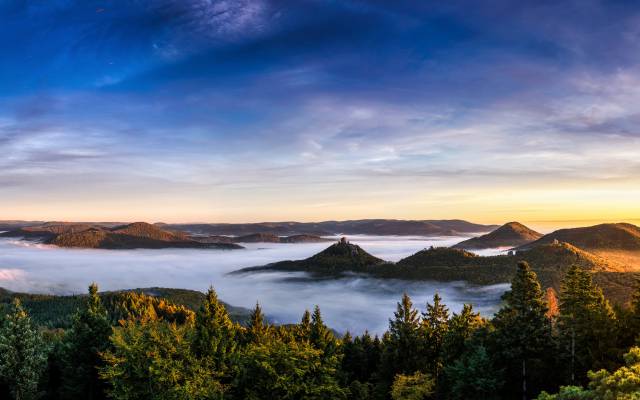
354	303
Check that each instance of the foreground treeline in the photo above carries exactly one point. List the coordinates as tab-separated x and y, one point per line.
574	345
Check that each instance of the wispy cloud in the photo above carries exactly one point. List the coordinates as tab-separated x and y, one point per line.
375	106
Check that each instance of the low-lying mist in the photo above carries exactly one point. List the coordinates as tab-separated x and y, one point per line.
354	303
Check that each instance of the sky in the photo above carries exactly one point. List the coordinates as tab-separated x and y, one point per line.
257	110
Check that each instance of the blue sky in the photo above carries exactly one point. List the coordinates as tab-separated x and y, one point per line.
199	110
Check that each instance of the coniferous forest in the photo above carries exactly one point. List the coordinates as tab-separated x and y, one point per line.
573	346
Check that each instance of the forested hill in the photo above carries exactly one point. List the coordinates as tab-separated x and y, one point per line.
334	260
511	234
53	311
549	261
620	236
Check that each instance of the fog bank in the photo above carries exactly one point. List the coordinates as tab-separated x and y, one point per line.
354	303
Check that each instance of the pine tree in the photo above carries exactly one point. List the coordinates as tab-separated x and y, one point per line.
523	332
320	336
585	324
303	330
401	344
23	355
257	330
461	328
87	338
435	325
214	337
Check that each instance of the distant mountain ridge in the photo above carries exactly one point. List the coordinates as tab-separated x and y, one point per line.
272	238
452	227
511	234
353	227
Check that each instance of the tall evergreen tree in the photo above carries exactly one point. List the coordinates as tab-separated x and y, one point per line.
23	354
87	338
523	332
303	330
214	336
257	330
401	345
461	328
435	325
320	335
585	325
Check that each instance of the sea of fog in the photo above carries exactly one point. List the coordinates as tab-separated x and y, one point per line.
354	303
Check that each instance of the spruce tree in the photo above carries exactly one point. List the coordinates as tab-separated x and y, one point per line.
401	344
23	354
303	330
585	325
461	328
87	338
523	333
214	336
257	330
435	325
320	336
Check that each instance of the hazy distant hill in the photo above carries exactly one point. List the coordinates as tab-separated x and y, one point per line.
48	230
271	238
511	234
132	236
452	227
355	227
8	225
335	259
620	236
